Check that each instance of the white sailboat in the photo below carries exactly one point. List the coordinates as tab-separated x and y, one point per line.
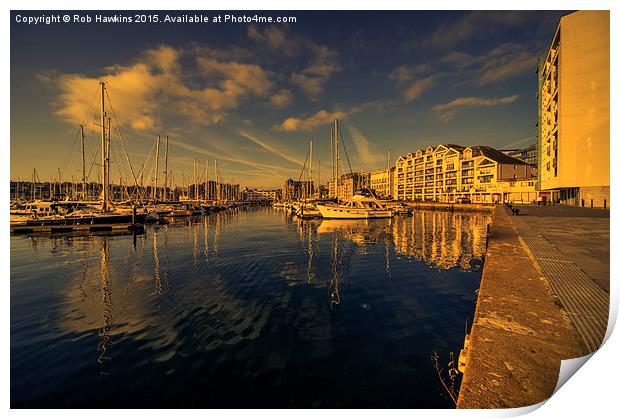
362	205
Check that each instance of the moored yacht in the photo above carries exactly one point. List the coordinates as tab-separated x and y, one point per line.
362	205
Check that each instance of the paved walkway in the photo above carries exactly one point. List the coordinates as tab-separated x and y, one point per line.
571	248
520	332
582	234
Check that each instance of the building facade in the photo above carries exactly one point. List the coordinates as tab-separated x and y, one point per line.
293	190
262	195
528	154
381	181
348	184
573	111
451	172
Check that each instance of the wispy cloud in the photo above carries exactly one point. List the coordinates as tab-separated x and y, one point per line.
500	63
322	117
264	145
527	140
405	73
446	111
418	87
264	167
322	61
474	25
282	99
366	151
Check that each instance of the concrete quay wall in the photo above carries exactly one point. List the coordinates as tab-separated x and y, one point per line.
520	331
450	206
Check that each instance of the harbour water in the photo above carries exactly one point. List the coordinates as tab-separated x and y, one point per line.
244	308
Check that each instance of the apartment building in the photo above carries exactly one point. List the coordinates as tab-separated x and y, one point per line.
381	181
293	190
348	184
262	195
450	172
528	154
573	111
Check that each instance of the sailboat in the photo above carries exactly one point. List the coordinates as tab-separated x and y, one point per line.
106	214
306	208
362	205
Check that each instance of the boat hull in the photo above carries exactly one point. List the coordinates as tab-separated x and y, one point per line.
347	213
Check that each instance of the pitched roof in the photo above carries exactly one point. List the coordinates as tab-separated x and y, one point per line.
497	155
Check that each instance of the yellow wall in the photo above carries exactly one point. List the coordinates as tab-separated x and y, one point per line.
583	141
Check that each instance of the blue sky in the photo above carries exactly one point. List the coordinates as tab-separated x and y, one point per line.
252	96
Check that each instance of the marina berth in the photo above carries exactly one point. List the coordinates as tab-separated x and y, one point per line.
362	205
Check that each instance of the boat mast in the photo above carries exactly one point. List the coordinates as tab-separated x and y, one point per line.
217	185
310	188
206	179
195	182
318	175
104	175
166	172
156	168
83	163
337	153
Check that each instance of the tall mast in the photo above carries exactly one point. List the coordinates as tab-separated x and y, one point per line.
217	185
318	175
166	172
83	163
156	166
104	175
337	153
108	145
310	188
195	182
59	184
206	178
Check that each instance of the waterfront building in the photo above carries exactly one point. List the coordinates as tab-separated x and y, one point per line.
293	190
347	185
452	172
381	181
573	111
528	154
262	195
227	191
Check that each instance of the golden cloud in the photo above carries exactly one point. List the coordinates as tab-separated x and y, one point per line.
322	117
144	92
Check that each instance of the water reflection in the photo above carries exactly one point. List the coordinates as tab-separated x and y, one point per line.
226	302
106	302
443	240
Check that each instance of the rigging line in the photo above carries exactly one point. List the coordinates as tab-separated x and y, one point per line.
146	161
90	105
68	159
345	150
93	154
92	164
118	168
304	167
120	136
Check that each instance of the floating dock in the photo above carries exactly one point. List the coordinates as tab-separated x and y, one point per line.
77	228
451	206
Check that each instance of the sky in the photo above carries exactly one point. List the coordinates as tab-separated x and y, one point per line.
253	95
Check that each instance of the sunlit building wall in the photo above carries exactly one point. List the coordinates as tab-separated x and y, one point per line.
382	182
573	117
450	172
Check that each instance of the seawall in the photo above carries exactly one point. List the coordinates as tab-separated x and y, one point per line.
449	206
520	332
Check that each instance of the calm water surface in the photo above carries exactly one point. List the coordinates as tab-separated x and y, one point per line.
245	308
